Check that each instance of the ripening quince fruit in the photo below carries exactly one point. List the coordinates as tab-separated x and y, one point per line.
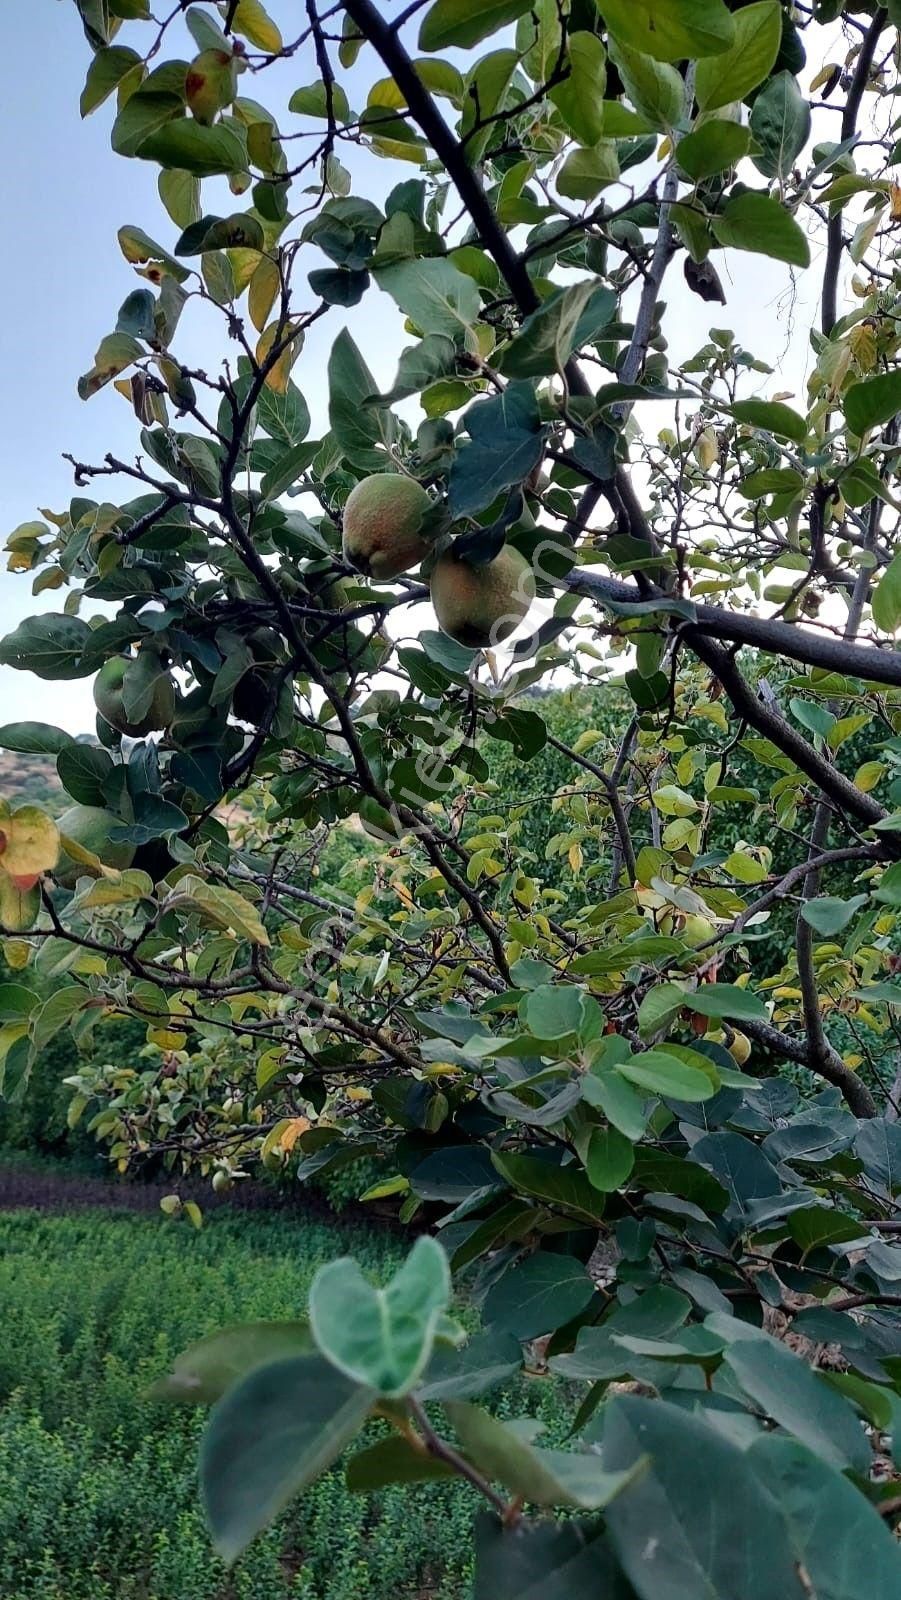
481	606
109	702
383	524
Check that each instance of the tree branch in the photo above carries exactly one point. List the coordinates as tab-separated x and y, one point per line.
834	239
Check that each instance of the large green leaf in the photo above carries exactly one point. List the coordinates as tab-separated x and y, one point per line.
487	1360
698	1521
434	357
105	73
655	89
873	401
543	1477
773	415
190	147
580	97
759	222
507	443
466	22
670	30
272	1434
34	738
53	646
727	1000
357	428
749	59
780	122
546	1560
545	1180
711	148
828	915
549	335
800	1400
433	293
543	1293
664	1074
204	1372
381	1337
887	597
830	1522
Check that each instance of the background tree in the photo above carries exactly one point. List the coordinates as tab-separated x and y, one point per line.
648	1151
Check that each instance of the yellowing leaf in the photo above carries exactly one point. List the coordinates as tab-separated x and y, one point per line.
264	286
867	776
253	22
29	843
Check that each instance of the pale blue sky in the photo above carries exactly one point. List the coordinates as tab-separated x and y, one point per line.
63	277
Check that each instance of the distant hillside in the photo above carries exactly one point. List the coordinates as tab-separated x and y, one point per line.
25	779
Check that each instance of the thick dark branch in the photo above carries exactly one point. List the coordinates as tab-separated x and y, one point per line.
856	1093
772	636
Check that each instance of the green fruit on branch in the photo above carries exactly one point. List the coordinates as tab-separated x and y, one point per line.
383	525
109	700
90	827
481	606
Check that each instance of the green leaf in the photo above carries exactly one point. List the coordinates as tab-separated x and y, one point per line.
204	1372
799	1400
34	738
543	1477
433	293
727	1000
553	1011
83	770
191	147
144	114
180	194
312	101
106	71
17	1003
878	1146
487	1361
772	415
698	1521
543	1180
770	480
713	147
434	357
872	402
609	1159
543	1293
53	646
749	59
272	1434
114	353
888	891
780	122
580	97
759	222
225	908
381	1337
828	915
393	1460
546	1560
829	1520
357	428
285	417
507	443
586	172
886	600
465	22
671	30
655	89
549	335
663	1074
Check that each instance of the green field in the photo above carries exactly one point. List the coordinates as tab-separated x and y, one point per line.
98	1496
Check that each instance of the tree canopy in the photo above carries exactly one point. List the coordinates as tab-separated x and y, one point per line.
653	1156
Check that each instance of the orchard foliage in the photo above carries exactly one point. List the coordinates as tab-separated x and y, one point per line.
650	1159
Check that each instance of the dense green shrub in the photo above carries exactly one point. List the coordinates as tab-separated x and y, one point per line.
98	1494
